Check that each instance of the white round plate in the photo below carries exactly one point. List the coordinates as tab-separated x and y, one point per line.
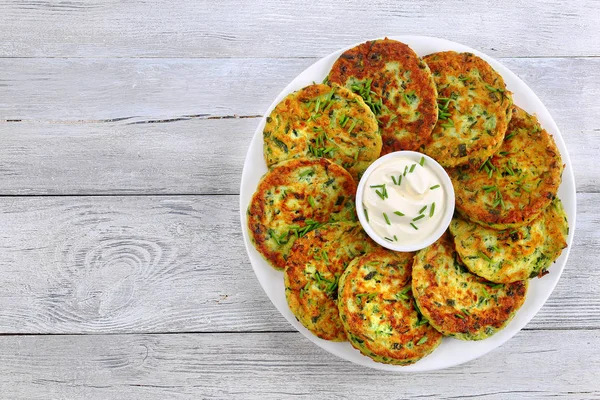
451	352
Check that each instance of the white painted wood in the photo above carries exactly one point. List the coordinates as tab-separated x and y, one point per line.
144	89
196	156
169	264
276	28
177	264
533	365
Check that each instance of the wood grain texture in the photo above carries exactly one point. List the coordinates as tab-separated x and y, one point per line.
72	90
183	157
194	156
97	292
119	153
276	28
177	264
533	365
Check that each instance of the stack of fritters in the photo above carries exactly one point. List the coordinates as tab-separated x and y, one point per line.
506	170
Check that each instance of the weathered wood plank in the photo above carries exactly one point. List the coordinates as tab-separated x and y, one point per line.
533	365
188	156
177	264
161	158
142	89
183	157
275	28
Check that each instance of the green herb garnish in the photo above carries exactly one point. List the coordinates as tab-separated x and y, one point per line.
387	220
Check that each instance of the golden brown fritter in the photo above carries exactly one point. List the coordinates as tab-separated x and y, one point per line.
517	183
513	254
474	109
378	312
321	121
294	197
397	85
313	268
458	303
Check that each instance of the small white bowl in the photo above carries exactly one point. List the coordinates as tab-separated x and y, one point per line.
446	183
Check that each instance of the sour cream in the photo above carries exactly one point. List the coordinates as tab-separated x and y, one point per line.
404	200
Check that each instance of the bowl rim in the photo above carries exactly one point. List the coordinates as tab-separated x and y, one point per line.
446	183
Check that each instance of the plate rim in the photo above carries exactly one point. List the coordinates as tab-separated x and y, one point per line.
495	341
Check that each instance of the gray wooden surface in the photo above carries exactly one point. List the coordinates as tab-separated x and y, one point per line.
123	129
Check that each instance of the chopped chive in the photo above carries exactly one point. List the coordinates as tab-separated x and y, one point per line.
395	238
380	194
488	189
311	201
344	121
418	217
434	187
317	105
377	186
459	316
366	213
388	239
399	180
399	213
485	256
497	286
432	209
352	126
422	162
485	292
414	226
422	209
387	220
403	294
394	180
412	167
423	340
405	170
304	173
509	136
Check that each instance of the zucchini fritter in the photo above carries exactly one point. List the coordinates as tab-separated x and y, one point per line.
397	85
474	109
321	121
458	303
378	312
512	255
515	185
313	268
293	198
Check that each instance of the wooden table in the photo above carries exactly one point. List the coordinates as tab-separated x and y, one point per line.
123	128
